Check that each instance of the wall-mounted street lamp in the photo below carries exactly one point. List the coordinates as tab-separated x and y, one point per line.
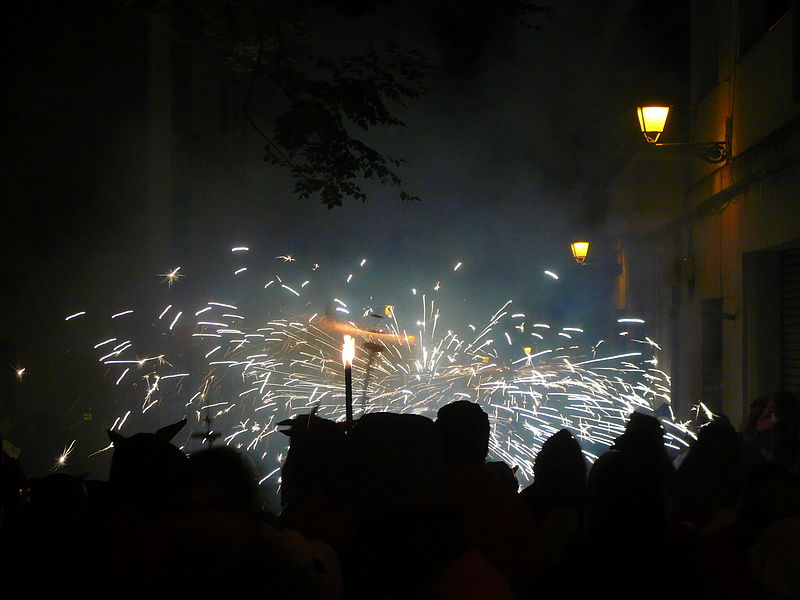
652	120
579	251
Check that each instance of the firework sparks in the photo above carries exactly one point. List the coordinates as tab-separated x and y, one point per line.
250	373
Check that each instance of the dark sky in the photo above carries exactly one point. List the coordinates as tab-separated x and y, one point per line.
507	152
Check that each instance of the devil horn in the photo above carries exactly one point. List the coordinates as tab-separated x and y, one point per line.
168	432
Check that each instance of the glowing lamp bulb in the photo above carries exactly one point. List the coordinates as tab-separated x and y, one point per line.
579	251
348	350
651	121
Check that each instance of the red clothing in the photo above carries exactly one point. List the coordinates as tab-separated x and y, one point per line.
468	577
496	521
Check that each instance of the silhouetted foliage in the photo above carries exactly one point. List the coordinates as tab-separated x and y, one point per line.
316	94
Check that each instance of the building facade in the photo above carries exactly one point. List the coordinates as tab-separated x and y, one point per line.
711	251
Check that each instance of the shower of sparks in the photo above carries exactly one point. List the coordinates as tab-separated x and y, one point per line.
709	415
171	277
249	372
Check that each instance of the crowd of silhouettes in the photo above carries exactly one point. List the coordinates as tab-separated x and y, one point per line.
400	506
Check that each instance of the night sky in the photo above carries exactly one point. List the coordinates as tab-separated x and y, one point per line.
509	152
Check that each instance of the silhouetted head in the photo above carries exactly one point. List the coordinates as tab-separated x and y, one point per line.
560	458
464	428
626	497
559	475
145	464
642	424
58	495
404	532
712	474
505	475
396	463
717	441
643	440
316	455
221	478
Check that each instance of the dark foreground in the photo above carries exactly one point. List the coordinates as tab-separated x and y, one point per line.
400	506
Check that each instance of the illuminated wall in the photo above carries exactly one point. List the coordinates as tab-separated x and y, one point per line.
709	235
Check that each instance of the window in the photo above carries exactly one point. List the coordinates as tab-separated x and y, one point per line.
790	320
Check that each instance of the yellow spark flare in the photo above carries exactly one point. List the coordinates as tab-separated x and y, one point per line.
171	277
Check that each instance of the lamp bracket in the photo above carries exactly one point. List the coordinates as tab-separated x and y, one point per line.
712	152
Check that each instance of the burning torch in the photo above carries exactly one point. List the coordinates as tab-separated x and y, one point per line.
348	353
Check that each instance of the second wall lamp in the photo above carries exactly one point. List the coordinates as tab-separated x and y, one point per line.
652	120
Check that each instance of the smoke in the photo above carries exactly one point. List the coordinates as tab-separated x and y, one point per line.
502	152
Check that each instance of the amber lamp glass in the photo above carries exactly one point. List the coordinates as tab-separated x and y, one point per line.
652	120
579	251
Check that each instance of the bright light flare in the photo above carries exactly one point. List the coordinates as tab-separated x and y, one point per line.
62	459
348	350
171	277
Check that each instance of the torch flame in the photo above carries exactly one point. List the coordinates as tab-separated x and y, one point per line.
348	350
